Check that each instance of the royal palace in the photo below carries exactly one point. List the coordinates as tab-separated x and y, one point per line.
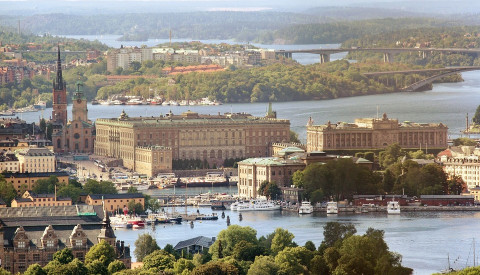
189	135
372	133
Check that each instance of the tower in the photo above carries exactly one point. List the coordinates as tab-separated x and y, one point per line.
59	112
79	110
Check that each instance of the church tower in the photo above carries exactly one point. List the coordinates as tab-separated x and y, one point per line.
59	112
79	110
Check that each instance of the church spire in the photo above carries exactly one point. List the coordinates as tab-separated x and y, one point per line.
59	80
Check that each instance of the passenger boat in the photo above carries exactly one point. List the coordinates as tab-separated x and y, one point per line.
212	217
258	205
305	208
120	221
393	207
332	207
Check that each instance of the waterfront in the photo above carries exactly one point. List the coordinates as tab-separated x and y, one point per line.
447	103
423	239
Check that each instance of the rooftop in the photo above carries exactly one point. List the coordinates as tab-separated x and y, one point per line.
200	241
34	175
270	161
35	152
116	196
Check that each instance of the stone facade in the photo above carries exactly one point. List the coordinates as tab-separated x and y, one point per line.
31	199
191	136
467	167
33	234
151	160
36	160
59	111
114	202
27	181
252	172
371	133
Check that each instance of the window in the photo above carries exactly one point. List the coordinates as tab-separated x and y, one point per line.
21	244
49	257
36	257
79	255
78	243
86	143
21	257
50	243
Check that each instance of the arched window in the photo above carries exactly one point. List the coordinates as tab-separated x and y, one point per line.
59	99
212	154
59	143
86	143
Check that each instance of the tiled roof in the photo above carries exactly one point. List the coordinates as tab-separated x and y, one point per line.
36	152
200	240
31	175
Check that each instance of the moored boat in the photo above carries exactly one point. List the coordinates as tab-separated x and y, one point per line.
332	207
305	208
393	207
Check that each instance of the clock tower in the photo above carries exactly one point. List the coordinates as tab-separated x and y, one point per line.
79	110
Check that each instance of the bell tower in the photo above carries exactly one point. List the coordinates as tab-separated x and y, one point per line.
79	110
59	112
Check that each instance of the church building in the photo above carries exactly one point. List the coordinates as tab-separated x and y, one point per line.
78	134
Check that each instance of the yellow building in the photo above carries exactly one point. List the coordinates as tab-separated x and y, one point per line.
36	160
151	160
9	162
31	199
371	133
191	136
253	171
27	181
114	202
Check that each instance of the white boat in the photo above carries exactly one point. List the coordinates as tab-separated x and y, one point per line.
258	205
393	207
332	207
141	186
40	105
105	102
305	208
119	221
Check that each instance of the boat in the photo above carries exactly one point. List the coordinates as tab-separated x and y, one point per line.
332	207
105	102
40	105
212	217
120	221
136	221
95	102
258	205
393	207
141	186
305	208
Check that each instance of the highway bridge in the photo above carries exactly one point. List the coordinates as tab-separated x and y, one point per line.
440	72
388	53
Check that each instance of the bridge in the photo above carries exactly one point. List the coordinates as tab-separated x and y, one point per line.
388	53
441	72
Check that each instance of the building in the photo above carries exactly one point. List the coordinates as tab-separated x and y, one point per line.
27	181
196	245
372	134
114	202
253	171
190	136
447	200
36	160
468	168
32	235
473	191
77	135
59	111
31	199
379	200
151	160
9	162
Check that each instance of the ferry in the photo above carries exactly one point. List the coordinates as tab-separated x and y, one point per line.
120	221
332	207
305	208
393	207
258	205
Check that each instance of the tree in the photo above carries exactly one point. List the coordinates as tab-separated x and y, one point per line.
245	251
152	204
281	239
7	191
144	245
217	268
183	264
70	191
293	260
270	190
101	251
310	246
476	117
103	187
63	256
97	267
465	141
455	185
46	185
294	137
334	233
263	265
35	269
115	266
229	237
391	155
158	260
132	190
135	207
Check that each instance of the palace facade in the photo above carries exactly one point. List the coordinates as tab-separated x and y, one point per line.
190	136
372	133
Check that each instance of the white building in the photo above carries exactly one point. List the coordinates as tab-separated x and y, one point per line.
36	160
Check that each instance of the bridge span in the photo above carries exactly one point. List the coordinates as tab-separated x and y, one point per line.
441	72
388	53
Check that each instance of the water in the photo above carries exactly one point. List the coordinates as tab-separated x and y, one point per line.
446	103
424	239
